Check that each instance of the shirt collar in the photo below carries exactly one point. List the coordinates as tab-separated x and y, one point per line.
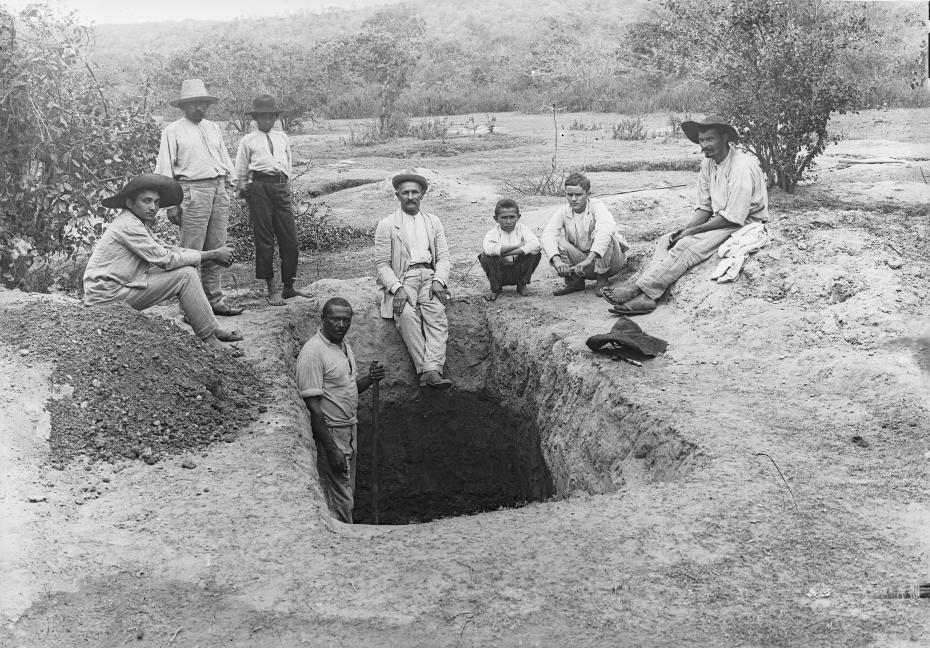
327	341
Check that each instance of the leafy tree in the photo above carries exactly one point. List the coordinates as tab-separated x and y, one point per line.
775	67
63	146
383	56
237	70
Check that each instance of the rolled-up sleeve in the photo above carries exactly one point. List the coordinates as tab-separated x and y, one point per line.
604	228
309	375
242	162
164	165
140	242
739	194
704	200
550	235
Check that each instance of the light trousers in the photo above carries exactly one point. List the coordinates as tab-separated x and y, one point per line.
609	264
424	328
667	266
338	489
204	219
183	283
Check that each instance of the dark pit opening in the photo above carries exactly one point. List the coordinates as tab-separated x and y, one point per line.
450	454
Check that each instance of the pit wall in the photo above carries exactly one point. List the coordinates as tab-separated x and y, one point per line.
593	438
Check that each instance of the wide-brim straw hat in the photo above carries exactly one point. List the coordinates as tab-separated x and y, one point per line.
264	105
410	176
193	90
691	128
169	191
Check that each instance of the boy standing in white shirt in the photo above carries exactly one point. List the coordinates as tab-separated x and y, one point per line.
511	251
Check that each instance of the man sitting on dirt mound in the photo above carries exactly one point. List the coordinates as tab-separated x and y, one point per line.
731	192
581	241
120	268
413	264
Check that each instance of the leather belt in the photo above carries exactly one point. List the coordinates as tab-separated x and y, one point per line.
414	266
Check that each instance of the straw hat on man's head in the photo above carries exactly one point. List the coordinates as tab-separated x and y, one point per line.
169	191
193	90
692	128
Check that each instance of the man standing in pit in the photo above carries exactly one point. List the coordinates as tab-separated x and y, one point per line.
193	152
329	383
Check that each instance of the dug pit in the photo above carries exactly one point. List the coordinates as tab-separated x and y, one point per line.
526	421
450	454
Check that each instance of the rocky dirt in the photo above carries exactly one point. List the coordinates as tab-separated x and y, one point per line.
764	483
129	385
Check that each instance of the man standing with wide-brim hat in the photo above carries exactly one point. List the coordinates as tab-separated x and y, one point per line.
731	192
413	264
131	264
263	170
193	152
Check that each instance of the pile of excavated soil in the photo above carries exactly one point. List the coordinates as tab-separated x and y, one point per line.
131	385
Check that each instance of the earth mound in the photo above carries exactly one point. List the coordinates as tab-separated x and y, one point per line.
130	385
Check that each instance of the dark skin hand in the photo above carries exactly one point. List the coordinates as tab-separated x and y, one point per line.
702	222
335	457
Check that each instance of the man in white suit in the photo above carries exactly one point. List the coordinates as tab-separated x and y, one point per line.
413	265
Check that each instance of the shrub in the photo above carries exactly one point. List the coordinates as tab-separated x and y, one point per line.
63	147
777	70
629	129
428	129
315	230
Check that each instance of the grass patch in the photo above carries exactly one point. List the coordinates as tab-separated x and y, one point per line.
340	185
409	147
628	166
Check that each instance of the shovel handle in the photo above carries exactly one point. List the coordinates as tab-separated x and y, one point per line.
375	439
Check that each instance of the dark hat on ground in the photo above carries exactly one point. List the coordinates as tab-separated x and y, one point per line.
193	90
691	128
169	190
264	104
410	176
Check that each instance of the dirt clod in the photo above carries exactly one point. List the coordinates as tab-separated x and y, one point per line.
190	465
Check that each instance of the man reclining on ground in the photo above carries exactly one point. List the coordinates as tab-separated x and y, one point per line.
121	266
731	192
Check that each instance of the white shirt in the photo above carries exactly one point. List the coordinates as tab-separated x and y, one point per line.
521	235
593	230
254	154
417	238
190	151
735	188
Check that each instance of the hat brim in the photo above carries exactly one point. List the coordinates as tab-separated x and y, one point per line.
177	103
401	178
169	190
691	129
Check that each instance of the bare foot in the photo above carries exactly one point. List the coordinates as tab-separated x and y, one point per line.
289	292
274	299
620	293
492	296
521	290
223	335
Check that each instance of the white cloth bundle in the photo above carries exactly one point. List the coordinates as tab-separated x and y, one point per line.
733	252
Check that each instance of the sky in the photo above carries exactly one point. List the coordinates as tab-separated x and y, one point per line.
126	11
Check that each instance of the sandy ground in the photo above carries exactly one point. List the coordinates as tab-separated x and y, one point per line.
816	362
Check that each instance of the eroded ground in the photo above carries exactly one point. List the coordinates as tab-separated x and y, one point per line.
671	524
